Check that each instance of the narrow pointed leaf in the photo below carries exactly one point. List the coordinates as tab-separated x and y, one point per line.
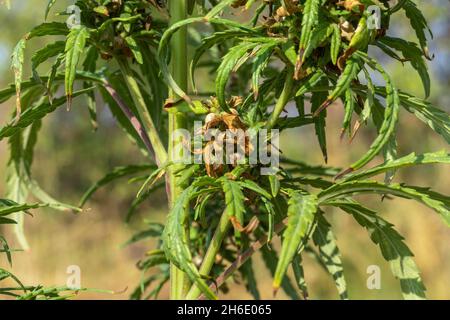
434	200
17	66
175	242
75	44
329	252
115	174
301	213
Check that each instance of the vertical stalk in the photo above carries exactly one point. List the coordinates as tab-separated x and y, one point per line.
179	70
210	256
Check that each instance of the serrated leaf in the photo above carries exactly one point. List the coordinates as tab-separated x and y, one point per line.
387	128
409	160
329	252
299	274
208	43
132	44
261	62
159	90
175	241
418	23
393	249
390	52
75	44
271	213
252	185
35	113
48	29
437	119
31	83
116	173
17	60
200	209
413	54
309	20
270	259
53	74
370	100
390	151
301	214
274	185
43	196
157	174
343	83
8	207
335	43
436	201
303	168
319	34
42	55
308	84
349	107
236	55
234	199
317	99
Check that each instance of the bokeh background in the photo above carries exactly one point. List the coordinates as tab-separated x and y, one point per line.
71	156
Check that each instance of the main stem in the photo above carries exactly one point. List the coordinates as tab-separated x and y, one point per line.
179	69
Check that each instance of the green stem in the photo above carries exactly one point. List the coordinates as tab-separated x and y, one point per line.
150	128
243	257
282	100
210	256
179	69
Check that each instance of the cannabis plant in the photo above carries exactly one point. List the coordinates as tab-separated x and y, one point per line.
266	57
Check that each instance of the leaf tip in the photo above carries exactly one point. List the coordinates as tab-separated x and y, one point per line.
69	98
324	105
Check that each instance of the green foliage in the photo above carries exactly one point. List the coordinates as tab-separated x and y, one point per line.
392	248
76	42
234	199
309	20
175	241
313	53
115	174
325	240
418	23
301	213
17	61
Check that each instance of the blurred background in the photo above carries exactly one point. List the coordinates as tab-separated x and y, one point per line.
71	156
